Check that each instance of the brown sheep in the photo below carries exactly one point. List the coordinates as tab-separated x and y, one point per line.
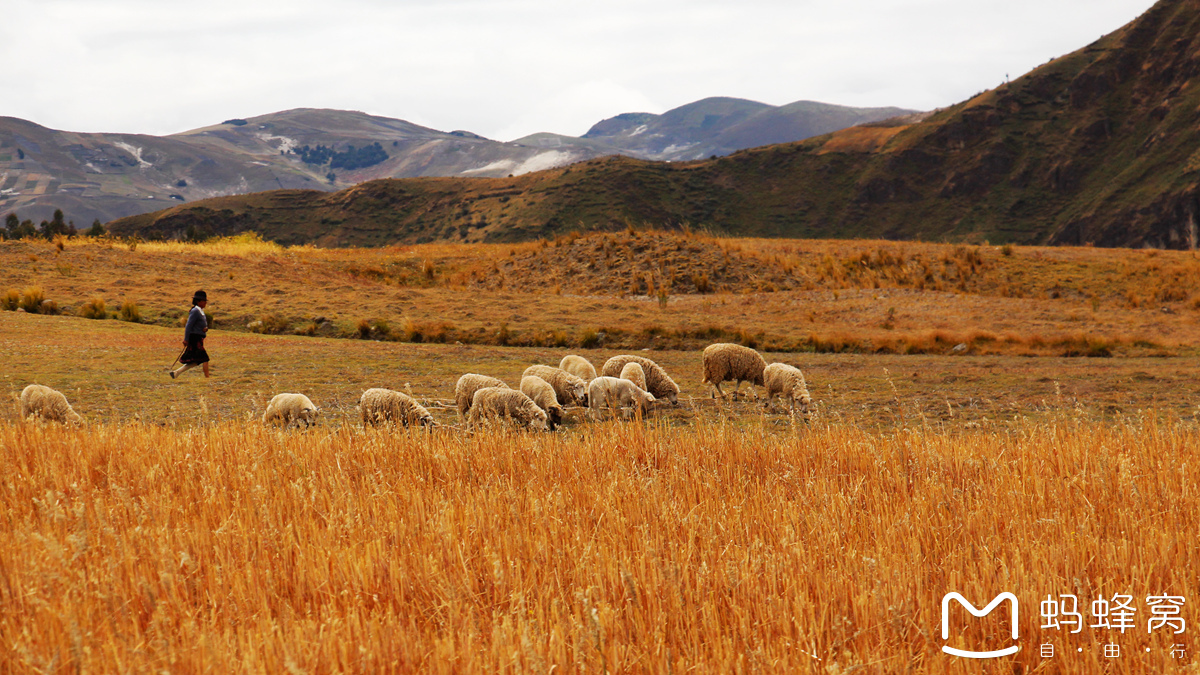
657	381
728	362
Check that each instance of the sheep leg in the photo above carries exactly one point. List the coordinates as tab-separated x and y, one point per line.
716	392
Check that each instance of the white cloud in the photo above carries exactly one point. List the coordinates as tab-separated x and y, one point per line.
511	67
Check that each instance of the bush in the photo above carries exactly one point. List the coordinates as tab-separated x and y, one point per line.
130	312
1006	250
94	309
31	299
11	300
273	324
48	307
364	329
589	339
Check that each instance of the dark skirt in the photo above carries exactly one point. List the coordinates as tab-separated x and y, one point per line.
194	352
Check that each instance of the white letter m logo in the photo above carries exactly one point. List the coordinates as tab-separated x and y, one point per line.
977	613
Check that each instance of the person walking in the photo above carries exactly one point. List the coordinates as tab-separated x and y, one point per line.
193	337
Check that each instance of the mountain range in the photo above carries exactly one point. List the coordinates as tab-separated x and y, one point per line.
106	176
1101	146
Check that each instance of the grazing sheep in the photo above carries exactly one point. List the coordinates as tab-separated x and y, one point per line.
616	393
634	373
466	387
289	408
502	402
728	362
579	367
570	389
657	381
786	382
384	405
543	395
48	404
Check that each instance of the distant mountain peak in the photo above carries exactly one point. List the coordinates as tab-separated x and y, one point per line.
106	176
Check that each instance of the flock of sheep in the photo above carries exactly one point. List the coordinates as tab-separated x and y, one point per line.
626	383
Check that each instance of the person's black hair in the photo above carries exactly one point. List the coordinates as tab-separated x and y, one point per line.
199	297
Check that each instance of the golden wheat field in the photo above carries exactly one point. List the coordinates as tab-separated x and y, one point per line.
175	533
617	547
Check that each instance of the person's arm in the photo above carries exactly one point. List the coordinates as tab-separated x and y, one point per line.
189	326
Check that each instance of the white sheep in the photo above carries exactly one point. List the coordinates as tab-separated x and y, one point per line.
289	408
657	381
617	393
543	395
786	382
634	373
467	385
504	403
570	389
380	405
728	362
48	404
579	367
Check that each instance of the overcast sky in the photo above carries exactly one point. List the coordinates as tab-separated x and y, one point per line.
507	68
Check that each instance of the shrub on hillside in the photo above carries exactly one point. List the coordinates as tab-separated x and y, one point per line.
271	323
94	309
130	312
11	300
31	299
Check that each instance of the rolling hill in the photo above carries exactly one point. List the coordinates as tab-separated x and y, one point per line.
1101	146
719	126
107	176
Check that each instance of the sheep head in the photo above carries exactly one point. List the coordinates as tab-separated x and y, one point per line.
537	419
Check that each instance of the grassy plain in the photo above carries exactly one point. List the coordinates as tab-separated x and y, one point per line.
175	533
636	290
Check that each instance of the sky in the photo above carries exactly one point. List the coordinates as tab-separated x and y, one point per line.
508	68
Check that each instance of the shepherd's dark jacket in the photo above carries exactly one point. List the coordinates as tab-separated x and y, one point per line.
197	324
